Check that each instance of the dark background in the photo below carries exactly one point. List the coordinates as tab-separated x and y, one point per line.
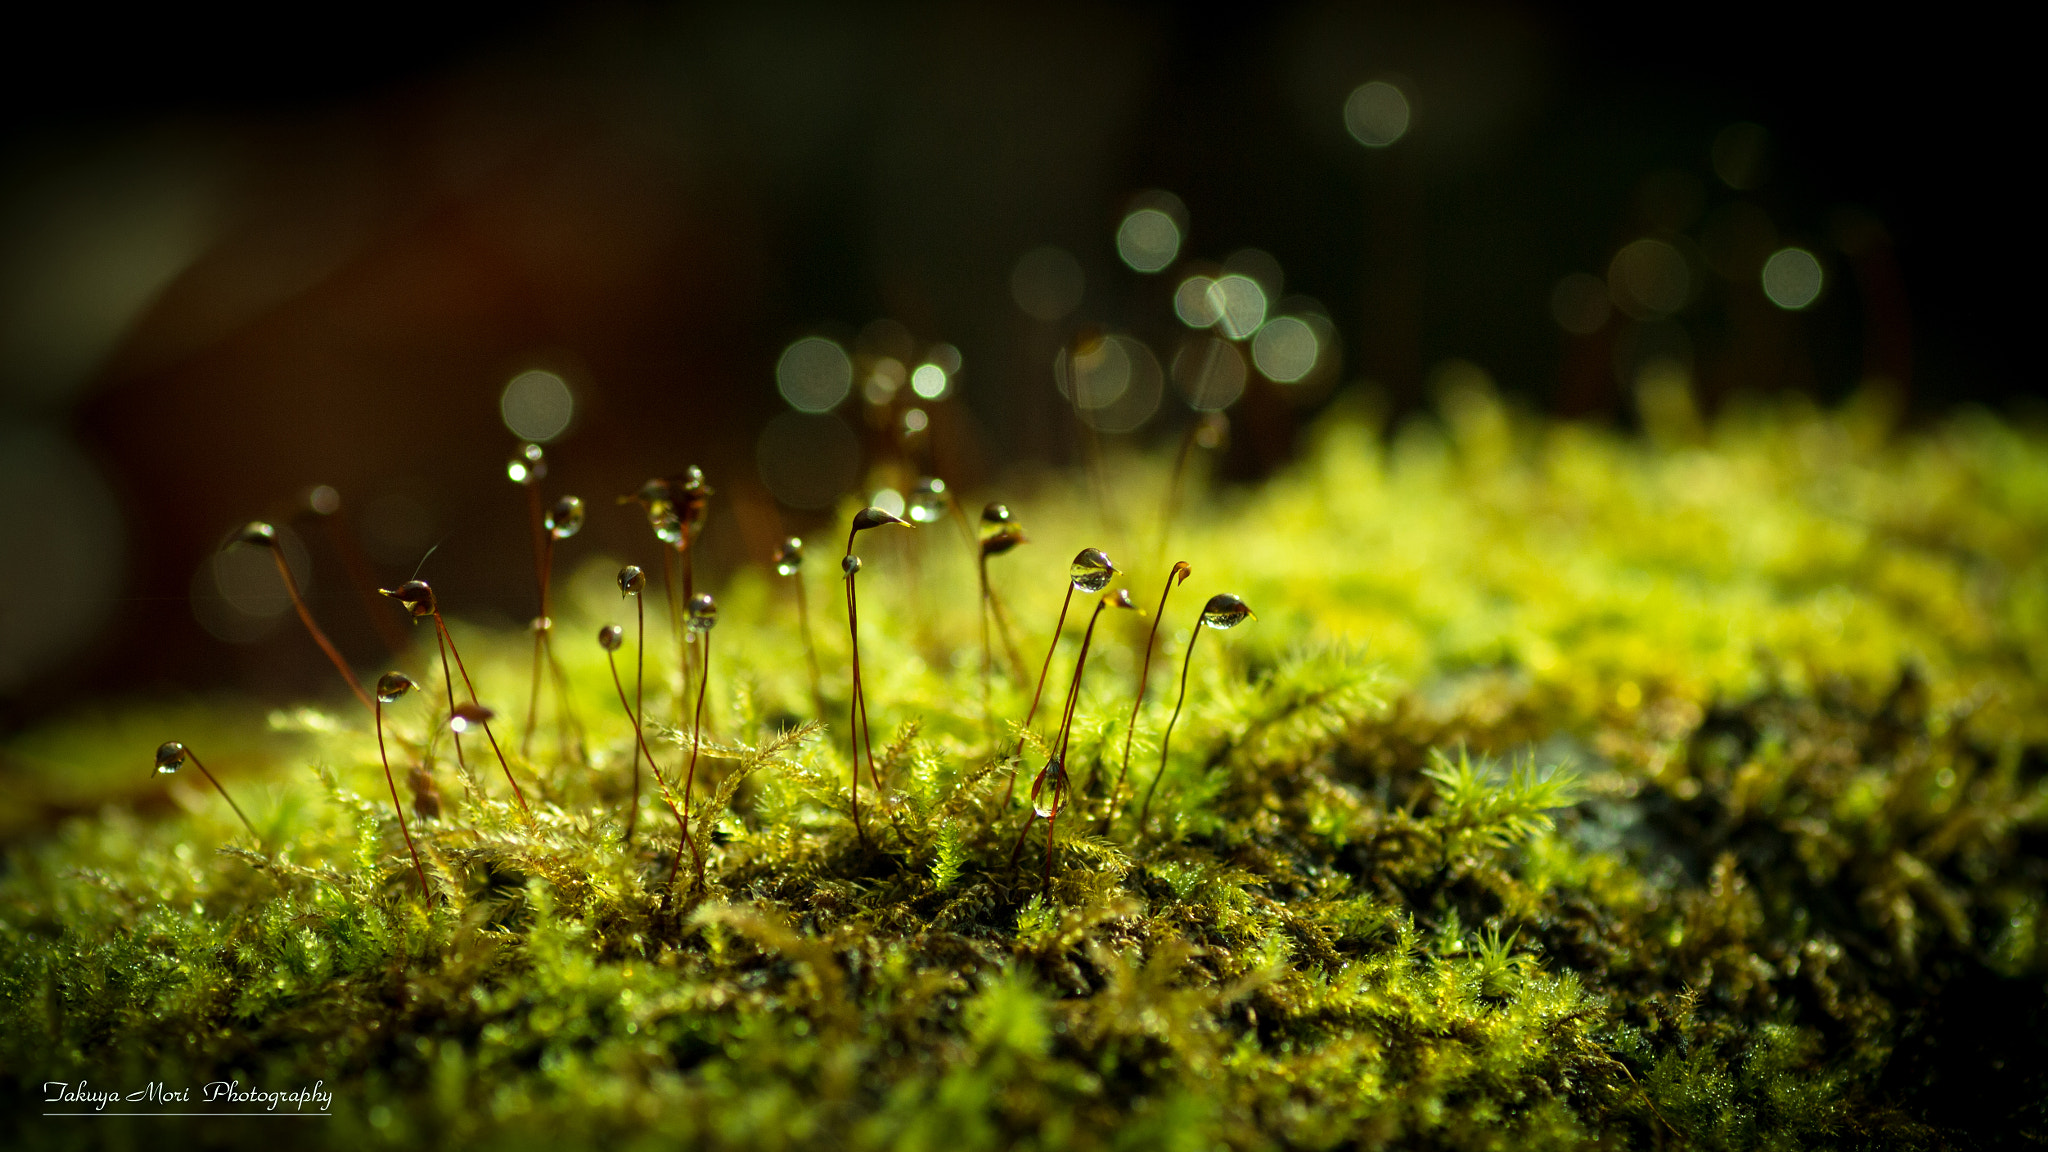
239	259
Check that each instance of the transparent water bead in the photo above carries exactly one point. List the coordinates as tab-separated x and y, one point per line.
632	581
1091	570
849	565
258	533
1225	611
170	756
565	519
1051	783
692	496
928	500
391	686
1003	539
703	613
873	517
789	558
610	637
529	467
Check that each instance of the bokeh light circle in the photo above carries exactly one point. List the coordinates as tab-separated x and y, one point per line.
537	406
1649	279
1148	240
1210	372
1240	305
814	374
929	381
1376	114
1792	278
1129	387
1285	349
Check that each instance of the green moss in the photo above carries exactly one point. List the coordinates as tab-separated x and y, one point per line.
1568	791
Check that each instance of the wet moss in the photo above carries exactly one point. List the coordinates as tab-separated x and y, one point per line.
1569	791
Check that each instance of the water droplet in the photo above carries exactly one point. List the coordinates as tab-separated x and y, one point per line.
1091	570
324	500
668	527
994	513
1122	599
703	613
565	519
170	756
610	637
258	533
789	558
529	467
1052	782
873	517
631	580
468	714
1003	539
1225	611
928	500
391	686
849	565
415	595
541	624
692	496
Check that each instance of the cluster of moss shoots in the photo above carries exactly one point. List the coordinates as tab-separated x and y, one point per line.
1575	791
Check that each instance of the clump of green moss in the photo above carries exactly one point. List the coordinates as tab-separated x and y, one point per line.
1569	791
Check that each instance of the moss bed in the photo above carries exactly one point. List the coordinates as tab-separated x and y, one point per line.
1569	789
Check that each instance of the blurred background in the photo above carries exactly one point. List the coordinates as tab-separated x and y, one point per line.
331	272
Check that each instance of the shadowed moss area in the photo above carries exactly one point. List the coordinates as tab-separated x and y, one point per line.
1568	790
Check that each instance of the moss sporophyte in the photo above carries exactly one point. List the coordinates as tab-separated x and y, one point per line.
1570	792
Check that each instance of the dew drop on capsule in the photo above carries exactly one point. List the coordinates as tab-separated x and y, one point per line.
631	580
994	513
928	500
258	533
529	467
565	519
668	527
414	594
170	756
1225	611
703	613
1051	779
610	637
1091	570
391	686
789	558
873	517
1004	538
849	565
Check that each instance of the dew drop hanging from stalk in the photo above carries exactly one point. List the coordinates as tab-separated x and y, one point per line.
1090	572
562	521
862	735
1223	611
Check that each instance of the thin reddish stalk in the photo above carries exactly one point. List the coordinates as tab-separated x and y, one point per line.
291	586
488	734
378	708
1166	740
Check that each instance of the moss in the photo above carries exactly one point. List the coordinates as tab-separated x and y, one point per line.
1569	791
